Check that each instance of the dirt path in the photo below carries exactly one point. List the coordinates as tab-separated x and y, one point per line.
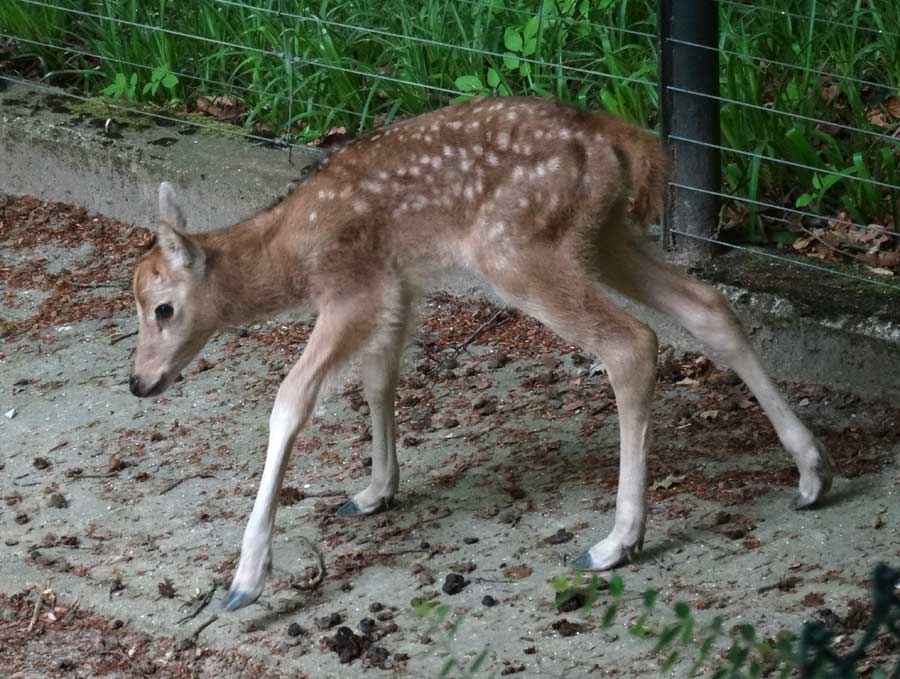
129	512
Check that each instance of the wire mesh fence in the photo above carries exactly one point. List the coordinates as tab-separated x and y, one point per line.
796	128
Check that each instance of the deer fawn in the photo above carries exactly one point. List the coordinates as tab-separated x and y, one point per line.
544	202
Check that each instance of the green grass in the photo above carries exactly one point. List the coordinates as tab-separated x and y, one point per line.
417	52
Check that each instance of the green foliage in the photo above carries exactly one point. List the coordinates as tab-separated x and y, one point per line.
741	653
415	55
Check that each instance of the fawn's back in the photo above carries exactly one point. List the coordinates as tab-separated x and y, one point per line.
474	183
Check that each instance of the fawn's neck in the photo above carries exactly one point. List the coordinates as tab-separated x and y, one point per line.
252	270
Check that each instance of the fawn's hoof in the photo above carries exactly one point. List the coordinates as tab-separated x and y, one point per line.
349	508
352	508
236	598
815	485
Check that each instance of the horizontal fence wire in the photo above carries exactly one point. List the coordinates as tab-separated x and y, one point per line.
771	159
804	17
528	13
788	260
247	48
327	66
431	42
892	138
785	64
773	206
187	76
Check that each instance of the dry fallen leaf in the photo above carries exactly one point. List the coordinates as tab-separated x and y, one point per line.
518	572
668	482
892	104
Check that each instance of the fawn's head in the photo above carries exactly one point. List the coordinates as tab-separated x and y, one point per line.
172	296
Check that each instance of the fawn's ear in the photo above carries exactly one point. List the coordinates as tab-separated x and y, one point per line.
177	247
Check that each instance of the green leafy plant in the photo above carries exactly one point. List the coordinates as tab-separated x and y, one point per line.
160	77
122	87
740	653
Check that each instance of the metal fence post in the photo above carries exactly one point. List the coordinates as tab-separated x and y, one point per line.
685	28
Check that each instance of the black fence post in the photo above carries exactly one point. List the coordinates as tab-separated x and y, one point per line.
689	109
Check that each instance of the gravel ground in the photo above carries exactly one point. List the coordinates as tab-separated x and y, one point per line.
124	516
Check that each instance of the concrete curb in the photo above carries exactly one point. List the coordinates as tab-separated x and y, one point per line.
52	151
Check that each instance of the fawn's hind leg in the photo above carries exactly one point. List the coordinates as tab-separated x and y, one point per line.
567	303
379	371
705	313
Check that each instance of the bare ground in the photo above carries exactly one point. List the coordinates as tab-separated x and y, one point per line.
127	514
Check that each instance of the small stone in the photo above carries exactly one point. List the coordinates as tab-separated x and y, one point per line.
21	518
735	533
450	363
375	606
488	601
384	616
722	518
328	621
367	626
40	463
116	463
11	413
470	540
10	542
294	630
454	584
57	501
377	656
559	537
203	365
497	360
156	436
567	628
450	422
116	624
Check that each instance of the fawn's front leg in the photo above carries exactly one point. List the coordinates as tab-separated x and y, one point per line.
336	335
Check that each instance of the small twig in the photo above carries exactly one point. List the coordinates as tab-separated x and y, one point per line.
104	284
203	604
37	607
107	475
116	340
435	518
489	324
203	627
178	482
58	446
319	577
401	552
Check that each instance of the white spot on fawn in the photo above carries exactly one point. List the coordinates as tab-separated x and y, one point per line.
312	216
448	151
492	159
360	207
503	140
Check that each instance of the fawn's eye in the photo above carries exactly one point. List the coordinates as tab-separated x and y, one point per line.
164	311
